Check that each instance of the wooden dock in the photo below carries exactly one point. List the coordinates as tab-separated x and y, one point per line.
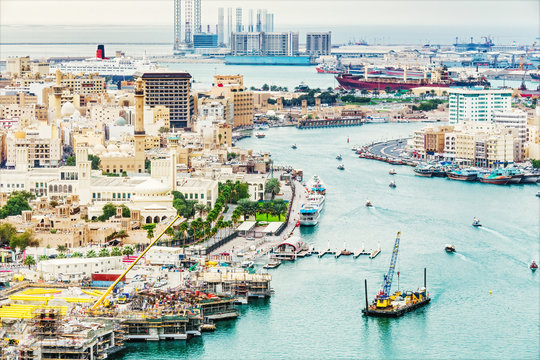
324	123
326	252
375	253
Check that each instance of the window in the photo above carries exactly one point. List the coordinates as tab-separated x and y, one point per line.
114	195
202	196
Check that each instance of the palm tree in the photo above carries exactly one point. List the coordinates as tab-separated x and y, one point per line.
267	208
104	253
199	208
273	187
116	251
91	254
29	261
279	208
43	257
127	250
77	254
61	248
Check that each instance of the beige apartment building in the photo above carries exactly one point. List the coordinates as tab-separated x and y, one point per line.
232	87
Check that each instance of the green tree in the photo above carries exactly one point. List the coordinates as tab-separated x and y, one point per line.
116	251
43	257
125	211
61	248
16	204
265	87
77	254
200	208
164	129
53	203
279	208
29	261
127	250
91	254
71	161
104	252
7	232
61	256
23	240
272	187
149	230
96	161
535	163
267	208
109	210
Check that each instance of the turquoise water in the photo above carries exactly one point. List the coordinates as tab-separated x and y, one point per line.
316	310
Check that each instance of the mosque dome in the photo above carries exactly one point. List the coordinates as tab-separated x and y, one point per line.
68	109
120	121
125	148
76	114
152	187
112	148
99	149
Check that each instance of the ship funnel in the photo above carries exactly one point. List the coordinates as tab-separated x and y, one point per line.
100	52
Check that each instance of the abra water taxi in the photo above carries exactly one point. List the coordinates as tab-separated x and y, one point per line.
450	248
341	167
476	222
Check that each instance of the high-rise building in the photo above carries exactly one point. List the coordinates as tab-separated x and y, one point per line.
318	43
264	12
177	23
229	25
268	44
280	44
269	22
250	26
188	21
477	105
246	43
258	27
239	20
205	41
221	26
197	25
172	90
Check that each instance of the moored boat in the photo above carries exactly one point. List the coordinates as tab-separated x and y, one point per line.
495	177
423	171
272	265
530	178
515	175
463	175
316	185
309	214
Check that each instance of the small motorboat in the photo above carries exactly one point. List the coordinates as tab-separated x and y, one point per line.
476	222
450	248
538	194
272	265
339	157
392	185
345	252
293	146
260	135
247	264
369	204
341	167
533	266
392	172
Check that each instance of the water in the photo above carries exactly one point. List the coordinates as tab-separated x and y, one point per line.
316	310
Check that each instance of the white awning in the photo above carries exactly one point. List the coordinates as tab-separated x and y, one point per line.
246	226
272	227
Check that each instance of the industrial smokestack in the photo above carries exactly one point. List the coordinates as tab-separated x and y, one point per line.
100	53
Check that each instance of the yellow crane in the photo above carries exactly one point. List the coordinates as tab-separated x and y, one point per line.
100	300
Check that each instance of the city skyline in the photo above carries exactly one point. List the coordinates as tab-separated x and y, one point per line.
353	12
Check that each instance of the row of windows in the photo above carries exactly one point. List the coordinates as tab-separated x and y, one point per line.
114	196
13	186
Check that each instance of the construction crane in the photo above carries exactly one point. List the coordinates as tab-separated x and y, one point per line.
383	297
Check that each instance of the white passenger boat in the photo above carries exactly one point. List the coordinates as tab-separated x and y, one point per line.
309	214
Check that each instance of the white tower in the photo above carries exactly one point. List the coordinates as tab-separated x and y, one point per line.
197	25
188	28
229	26
250	26
238	19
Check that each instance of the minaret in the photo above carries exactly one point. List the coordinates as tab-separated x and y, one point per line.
140	135
57	92
84	173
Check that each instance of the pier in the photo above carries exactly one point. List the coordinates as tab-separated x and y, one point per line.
325	123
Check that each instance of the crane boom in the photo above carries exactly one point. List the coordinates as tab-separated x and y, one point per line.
387	284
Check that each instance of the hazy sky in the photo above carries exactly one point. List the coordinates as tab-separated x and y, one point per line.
504	13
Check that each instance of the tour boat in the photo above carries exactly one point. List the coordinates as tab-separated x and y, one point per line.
316	185
533	266
392	172
341	167
476	222
317	199
450	248
309	214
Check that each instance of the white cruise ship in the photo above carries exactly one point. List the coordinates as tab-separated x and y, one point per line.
120	67
316	199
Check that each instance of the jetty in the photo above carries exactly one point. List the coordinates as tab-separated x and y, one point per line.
325	123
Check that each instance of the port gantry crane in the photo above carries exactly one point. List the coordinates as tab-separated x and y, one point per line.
383	297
